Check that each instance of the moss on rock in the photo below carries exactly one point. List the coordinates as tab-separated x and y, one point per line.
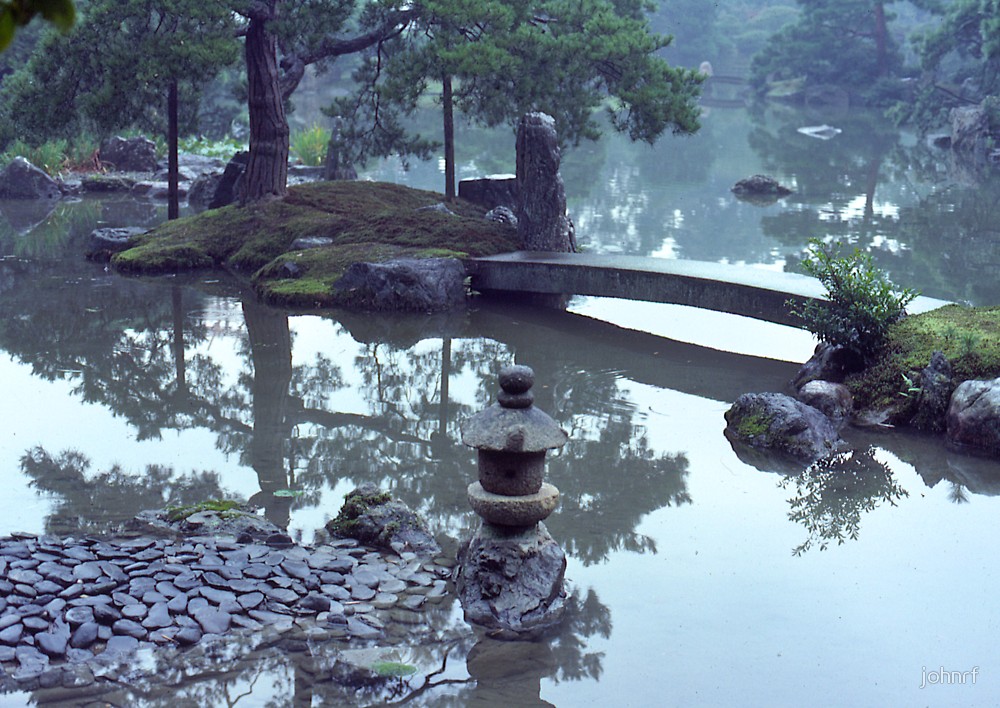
366	221
968	337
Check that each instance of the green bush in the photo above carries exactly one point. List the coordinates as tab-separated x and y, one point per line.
309	145
862	300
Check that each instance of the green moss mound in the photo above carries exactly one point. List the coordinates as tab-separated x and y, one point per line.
968	337
367	221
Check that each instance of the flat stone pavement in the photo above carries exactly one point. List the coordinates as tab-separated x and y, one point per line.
68	603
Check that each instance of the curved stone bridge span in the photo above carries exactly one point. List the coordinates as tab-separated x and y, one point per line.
739	290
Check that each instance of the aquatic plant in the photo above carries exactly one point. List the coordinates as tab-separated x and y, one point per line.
393	668
862	301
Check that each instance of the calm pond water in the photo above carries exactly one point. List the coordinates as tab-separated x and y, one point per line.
701	577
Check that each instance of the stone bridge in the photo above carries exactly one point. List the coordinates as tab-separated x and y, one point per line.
739	290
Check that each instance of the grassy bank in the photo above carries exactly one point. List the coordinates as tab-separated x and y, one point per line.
968	337
367	221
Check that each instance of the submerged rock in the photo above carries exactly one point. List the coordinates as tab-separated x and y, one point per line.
758	187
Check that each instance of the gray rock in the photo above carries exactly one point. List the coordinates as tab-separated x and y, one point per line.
129	154
405	284
129	628
228	188
832	399
22	180
121	644
828	363
501	215
542	222
202	191
970	129
973	418
84	635
375	518
936	386
103	243
511	583
304	243
778	423
491	192
212	620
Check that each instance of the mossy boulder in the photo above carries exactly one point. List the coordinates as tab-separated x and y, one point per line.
358	221
777	423
374	518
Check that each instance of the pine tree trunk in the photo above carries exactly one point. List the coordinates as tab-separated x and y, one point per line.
449	138
267	172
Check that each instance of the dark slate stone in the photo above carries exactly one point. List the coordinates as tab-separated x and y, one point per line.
186	636
11	635
72	592
106	614
186	581
168	589
78	553
282	595
212	620
25	590
35	624
129	628
216	596
779	423
152	597
54	643
178	605
88	572
48	587
31	610
158	617
361	630
24	576
135	612
257	570
296	569
251	600
79	615
196	603
315	603
84	635
121	644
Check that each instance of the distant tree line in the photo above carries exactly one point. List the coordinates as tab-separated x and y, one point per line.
488	60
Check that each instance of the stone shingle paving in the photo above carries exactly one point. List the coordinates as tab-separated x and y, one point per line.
68	601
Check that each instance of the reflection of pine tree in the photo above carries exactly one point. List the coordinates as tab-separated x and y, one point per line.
832	496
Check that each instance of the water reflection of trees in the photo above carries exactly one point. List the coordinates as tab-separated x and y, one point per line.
99	502
150	355
833	495
868	189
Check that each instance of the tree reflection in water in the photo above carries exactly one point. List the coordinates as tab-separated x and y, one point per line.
832	496
99	503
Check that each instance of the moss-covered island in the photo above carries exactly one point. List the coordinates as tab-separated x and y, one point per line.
968	337
366	221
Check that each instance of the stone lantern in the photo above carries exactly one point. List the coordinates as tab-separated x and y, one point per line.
510	574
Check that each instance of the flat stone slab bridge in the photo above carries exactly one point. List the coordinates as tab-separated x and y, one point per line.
739	290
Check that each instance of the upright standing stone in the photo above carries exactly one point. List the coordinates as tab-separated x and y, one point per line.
510	574
542	223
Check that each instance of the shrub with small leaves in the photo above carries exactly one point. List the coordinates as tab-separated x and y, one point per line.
862	301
